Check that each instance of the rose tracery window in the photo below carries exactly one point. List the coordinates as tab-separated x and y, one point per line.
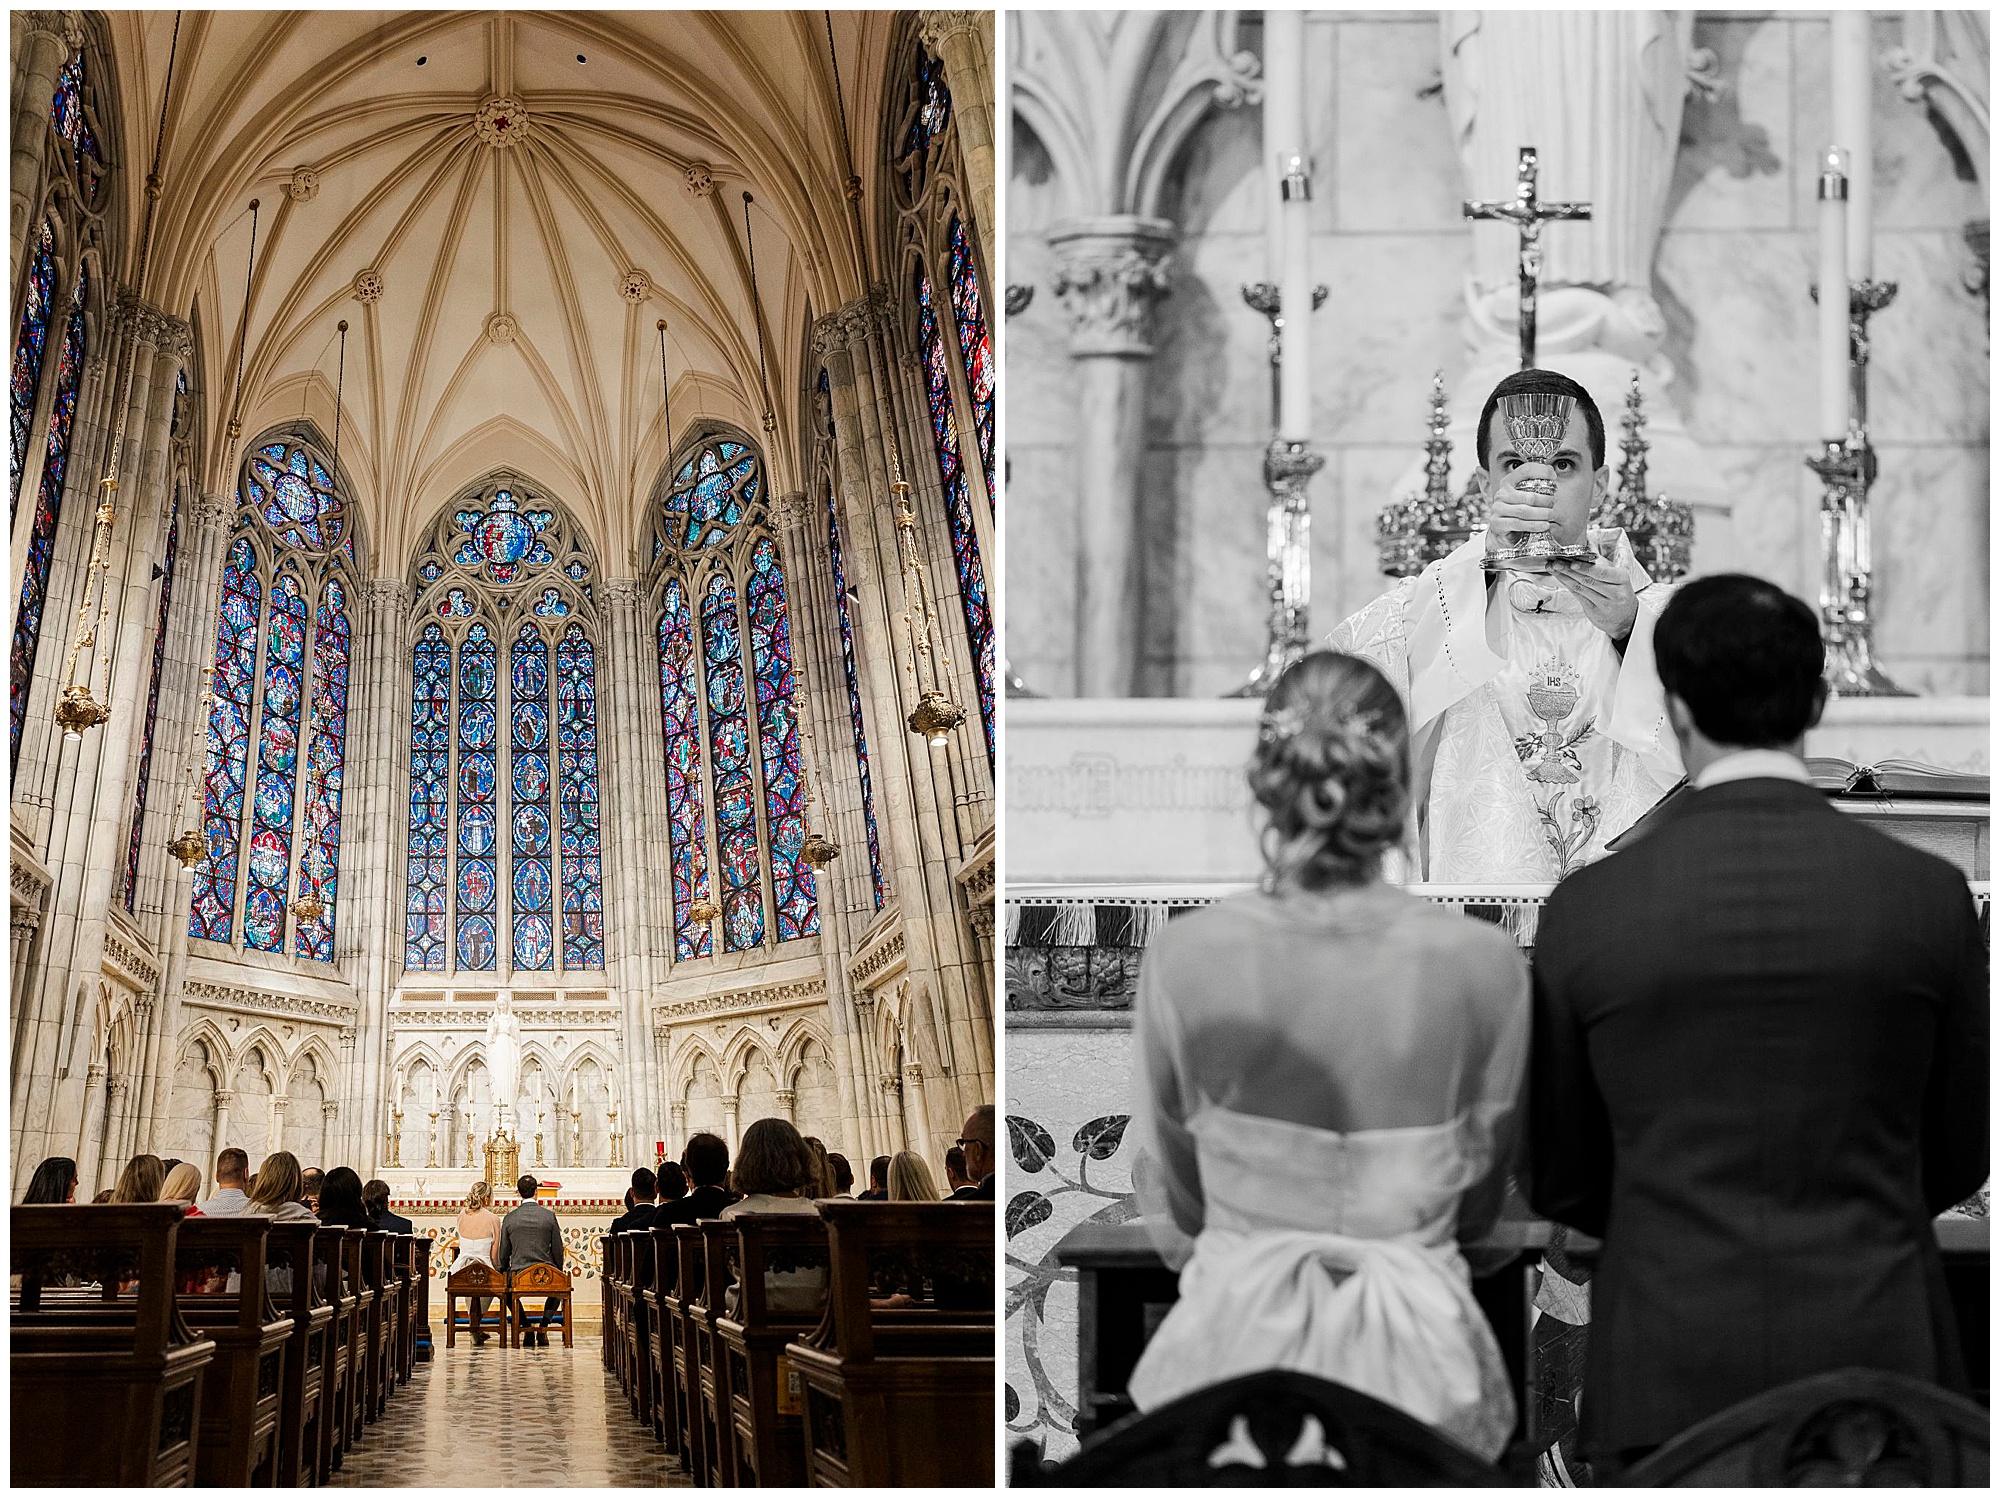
505	860
728	699
282	649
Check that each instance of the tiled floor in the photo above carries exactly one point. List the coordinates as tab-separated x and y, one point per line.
512	1418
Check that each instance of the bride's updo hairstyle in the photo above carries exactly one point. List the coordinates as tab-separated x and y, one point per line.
1332	769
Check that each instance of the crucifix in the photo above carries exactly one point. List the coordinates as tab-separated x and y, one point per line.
1528	213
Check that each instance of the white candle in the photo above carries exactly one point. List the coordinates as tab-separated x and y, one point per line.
1285	139
1854	133
1833	297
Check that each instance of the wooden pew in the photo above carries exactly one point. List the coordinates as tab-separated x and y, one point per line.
402	1261
219	1264
718	1450
891	1393
657	1244
107	1377
634	1364
607	1319
475	1280
382	1320
617	1252
543	1282
683	1306
354	1408
289	1266
330	1273
765	1425
421	1269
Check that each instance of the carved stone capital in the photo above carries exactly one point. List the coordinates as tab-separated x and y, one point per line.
891	1084
730	1104
25	923
214	511
347	1038
619	592
789	510
829	336
786	1097
857	322
330	1110
118	1088
914	1070
156	328
224	1097
937	27
387	595
1110	274
280	1103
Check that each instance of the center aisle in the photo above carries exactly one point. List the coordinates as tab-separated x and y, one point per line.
512	1418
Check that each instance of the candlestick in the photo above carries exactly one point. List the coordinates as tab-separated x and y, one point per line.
1853	132
1833	350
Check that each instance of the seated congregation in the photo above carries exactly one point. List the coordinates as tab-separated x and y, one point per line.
1722	1141
773	1331
249	1338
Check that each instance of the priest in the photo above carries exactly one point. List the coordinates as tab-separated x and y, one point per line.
1539	728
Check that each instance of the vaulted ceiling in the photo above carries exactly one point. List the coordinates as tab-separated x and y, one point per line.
502	206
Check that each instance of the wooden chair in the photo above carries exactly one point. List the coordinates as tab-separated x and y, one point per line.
718	1449
889	1392
683	1307
543	1282
289	1266
766	1426
330	1273
1271	1429
107	1377
658	1245
1859	1427
243	1395
474	1281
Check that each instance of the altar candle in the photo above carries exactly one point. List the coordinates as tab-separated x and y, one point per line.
1853	129
1833	296
1285	137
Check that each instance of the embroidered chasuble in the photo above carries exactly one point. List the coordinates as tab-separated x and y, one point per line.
1533	742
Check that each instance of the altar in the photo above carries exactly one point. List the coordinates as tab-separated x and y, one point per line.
1121	812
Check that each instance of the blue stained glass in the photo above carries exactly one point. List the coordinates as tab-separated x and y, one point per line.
430	811
534	945
854	691
795	897
957	503
294	493
48	514
476	892
969	313
582	851
66	114
933	105
679	716
326	760
551	605
729	752
29	349
145	772
277	759
212	906
455	605
710	494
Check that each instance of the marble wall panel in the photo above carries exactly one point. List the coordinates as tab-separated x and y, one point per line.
1775	500
1218	591
1041	378
1740	333
1733	171
1209	380
1916	184
1039	603
1929	373
1213	188
1394	167
1932	521
1392	321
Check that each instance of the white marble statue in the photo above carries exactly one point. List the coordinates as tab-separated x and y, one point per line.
503	1057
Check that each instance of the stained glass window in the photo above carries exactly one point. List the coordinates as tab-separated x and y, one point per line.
933	107
48	512
66	113
534	888
688	833
778	740
523	726
270	860
854	692
711	493
28	351
430	810
958	502
582	850
152	705
729	756
296	496
477	887
326	756
973	345
212	914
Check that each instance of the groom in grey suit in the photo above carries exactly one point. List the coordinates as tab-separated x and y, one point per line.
530	1234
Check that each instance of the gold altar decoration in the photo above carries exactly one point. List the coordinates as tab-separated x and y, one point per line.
503	1161
1412	533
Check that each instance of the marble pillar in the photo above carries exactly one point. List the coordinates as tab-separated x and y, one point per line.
1110	273
633	781
43	45
963	42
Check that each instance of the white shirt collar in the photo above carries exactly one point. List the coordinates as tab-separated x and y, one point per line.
1754	764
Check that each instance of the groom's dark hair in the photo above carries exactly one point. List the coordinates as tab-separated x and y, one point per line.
1542	382
1745	656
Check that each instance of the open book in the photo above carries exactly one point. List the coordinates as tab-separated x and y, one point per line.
1897	777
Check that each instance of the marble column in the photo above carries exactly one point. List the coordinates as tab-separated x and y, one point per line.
631	815
787	1105
274	1134
219	1135
43	43
730	1105
89	1147
963	42
90	794
1110	273
329	1114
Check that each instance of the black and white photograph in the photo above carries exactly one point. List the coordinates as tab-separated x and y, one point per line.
1495	789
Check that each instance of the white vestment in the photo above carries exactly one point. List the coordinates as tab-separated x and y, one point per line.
1534	742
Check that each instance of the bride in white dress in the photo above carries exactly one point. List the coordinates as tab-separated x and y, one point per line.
1328	1073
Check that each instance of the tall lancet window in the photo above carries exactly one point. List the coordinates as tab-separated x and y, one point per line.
847	650
735	772
948	316
277	733
142	780
504	872
30	348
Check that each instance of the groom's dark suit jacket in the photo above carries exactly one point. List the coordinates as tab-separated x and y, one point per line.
1759	1069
